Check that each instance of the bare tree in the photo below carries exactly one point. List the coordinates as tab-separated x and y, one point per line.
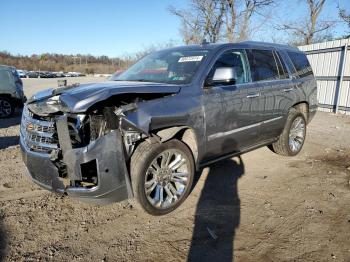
311	27
230	19
203	19
251	7
218	19
344	16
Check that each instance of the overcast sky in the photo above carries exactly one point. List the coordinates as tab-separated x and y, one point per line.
107	27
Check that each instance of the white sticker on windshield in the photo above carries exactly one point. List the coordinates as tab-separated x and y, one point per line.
185	59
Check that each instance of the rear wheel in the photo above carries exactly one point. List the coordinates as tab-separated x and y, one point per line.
162	175
6	107
292	138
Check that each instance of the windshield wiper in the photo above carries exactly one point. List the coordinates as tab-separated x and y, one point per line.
141	80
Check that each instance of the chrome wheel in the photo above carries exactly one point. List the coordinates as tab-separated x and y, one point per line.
167	178
5	108
297	134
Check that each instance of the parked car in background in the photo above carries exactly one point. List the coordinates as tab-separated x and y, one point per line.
22	73
74	74
32	74
48	74
11	91
41	74
144	134
68	74
59	74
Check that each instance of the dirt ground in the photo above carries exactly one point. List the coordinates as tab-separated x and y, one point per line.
260	207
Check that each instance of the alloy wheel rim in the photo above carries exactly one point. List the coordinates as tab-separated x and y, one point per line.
167	178
297	134
5	108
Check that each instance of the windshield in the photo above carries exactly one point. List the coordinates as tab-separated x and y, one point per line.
173	67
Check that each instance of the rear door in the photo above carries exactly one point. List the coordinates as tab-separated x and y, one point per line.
274	86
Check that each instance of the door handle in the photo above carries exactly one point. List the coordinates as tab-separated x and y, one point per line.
252	95
288	89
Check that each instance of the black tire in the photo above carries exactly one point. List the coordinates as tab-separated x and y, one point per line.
282	145
140	163
7	107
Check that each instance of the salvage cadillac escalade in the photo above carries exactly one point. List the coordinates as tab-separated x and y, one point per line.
143	134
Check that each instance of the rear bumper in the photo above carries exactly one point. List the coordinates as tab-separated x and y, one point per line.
113	180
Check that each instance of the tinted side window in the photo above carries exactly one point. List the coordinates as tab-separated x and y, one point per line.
262	65
301	64
232	58
5	77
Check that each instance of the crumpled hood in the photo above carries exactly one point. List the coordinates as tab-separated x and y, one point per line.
78	98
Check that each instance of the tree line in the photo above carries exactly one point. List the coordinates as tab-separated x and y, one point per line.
238	20
88	64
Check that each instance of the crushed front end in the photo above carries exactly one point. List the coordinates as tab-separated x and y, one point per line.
80	155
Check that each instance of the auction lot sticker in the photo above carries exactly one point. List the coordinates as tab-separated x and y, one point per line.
185	59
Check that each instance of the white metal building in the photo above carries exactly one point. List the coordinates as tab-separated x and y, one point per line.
330	62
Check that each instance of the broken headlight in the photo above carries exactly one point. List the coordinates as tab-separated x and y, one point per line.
48	106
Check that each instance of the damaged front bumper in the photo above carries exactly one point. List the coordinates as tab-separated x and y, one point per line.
103	157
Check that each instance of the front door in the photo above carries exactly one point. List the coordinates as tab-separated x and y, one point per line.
231	111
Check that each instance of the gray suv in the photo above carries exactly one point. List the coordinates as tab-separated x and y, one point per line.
143	134
11	91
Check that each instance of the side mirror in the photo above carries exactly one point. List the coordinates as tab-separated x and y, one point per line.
222	76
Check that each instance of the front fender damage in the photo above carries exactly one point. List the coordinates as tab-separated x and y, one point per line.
97	171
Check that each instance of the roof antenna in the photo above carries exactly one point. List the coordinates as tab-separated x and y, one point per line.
204	42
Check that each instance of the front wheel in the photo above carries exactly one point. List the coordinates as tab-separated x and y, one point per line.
293	136
162	175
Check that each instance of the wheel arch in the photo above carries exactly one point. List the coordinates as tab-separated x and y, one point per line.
7	96
303	107
183	133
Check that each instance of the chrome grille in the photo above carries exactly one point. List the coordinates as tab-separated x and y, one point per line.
38	135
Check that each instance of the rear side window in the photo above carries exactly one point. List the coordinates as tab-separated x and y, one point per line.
263	65
301	64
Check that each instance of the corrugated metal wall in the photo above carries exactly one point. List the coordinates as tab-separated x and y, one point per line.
330	62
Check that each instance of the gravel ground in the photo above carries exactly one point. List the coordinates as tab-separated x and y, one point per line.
260	207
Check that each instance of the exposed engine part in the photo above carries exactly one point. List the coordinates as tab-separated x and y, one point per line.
97	125
83	129
120	110
130	140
